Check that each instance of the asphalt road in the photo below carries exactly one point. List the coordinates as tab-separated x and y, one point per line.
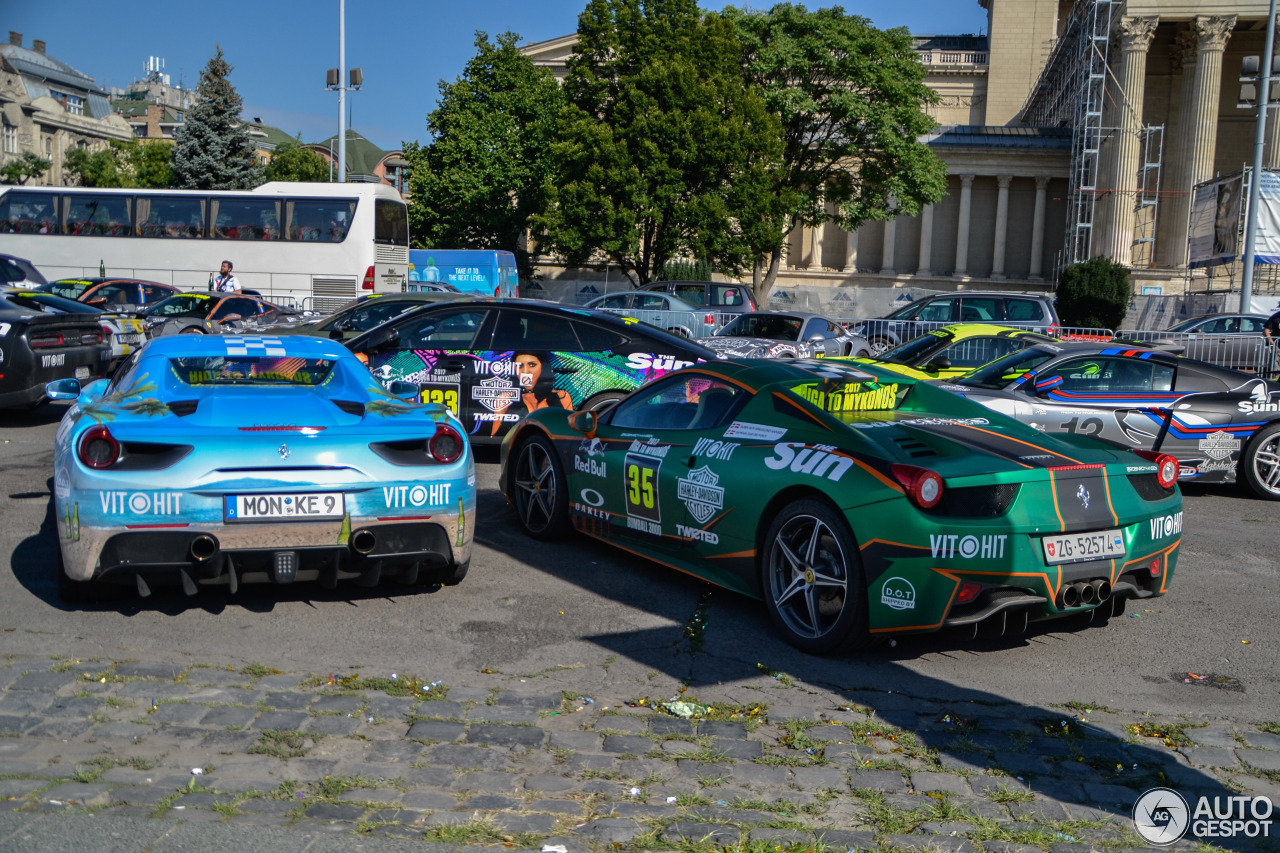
591	613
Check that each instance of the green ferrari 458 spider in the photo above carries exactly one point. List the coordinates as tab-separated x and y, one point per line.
855	501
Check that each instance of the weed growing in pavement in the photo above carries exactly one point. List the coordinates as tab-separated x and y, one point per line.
712	781
333	787
226	809
1086	707
1273	775
608	662
781	677
550	670
92	769
1172	734
81	694
797	735
708	756
257	670
401	685
1007	794
280	744
1271	728
287	791
478	831
799	760
560	754
886	818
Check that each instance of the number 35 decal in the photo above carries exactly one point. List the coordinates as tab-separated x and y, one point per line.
642	486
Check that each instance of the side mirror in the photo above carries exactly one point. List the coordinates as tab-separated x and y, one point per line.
939	363
584	422
383	339
816	339
404	390
63	389
94	390
229	318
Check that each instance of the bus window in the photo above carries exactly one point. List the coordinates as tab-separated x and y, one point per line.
391	222
320	220
170	216
98	215
28	213
246	219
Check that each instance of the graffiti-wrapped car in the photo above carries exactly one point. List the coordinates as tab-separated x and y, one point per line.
767	334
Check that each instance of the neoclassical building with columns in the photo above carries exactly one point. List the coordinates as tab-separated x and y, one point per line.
1019	188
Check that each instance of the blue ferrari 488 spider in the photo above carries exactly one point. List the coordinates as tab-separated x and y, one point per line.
219	460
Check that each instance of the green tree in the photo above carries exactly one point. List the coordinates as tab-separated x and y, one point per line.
663	149
1094	294
485	172
851	99
151	164
213	150
94	168
121	164
293	161
25	167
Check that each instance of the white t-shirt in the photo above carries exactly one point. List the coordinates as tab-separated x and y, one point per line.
230	284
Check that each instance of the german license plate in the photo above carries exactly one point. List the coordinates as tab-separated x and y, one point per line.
1080	547
82	373
285	506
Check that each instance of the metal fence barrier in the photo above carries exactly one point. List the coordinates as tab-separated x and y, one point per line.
1251	353
686	324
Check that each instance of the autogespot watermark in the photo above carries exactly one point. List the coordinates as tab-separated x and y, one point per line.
1162	816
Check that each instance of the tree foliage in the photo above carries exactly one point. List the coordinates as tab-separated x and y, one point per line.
293	161
663	148
851	100
1094	294
213	149
484	174
25	167
121	164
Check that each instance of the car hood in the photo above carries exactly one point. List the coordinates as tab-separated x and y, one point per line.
741	346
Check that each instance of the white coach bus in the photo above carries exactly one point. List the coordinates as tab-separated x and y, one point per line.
329	242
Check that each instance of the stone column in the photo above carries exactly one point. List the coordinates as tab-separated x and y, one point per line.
1211	39
1002	226
1174	202
1135	39
1037	230
851	251
815	259
925	262
888	246
962	227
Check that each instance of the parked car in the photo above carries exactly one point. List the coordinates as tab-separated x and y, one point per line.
491	361
1220	424
123	331
360	315
19	272
856	502
777	334
1231	340
1028	311
112	294
209	462
719	297
38	345
659	309
211	313
953	351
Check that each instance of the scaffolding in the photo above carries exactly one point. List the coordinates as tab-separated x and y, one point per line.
1146	204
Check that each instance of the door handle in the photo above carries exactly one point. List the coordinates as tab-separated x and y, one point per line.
452	365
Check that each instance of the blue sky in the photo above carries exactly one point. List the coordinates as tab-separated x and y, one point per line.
280	50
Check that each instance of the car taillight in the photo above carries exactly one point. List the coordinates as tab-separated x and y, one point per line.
709	320
1166	467
46	341
1054	328
98	447
923	486
92	337
968	592
497	291
446	445
368	279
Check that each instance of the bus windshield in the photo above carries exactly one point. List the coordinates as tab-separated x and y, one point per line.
184	305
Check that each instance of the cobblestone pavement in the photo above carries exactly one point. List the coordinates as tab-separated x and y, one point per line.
158	757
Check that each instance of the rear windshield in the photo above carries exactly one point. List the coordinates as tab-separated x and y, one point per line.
768	326
70	288
47	303
391	222
1003	371
250	370
914	349
184	305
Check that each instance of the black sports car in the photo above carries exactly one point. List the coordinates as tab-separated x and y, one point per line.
773	334
38	345
1219	423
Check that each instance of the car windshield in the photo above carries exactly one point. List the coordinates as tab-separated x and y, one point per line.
769	326
184	305
229	370
69	288
1187	325
1003	371
916	350
364	315
47	303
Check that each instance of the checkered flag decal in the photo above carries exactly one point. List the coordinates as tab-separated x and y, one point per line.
254	346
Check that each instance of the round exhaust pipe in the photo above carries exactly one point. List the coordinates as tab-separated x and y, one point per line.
363	541
203	548
1088	595
1101	589
1069	596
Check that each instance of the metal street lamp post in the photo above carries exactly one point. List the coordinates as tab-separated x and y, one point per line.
1255	177
334	81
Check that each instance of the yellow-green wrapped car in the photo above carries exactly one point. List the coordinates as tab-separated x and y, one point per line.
954	351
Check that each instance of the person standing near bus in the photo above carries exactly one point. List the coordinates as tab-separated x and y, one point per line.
226	282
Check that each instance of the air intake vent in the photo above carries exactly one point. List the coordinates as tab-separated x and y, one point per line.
976	501
384	254
330	294
182	408
914	447
351	407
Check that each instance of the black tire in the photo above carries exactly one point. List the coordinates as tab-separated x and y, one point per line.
1260	463
193	330
811	578
679	332
72	591
862	354
540	491
600	402
879	345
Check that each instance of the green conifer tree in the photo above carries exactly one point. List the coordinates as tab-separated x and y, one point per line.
213	150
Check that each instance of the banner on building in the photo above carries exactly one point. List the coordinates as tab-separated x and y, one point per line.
1214	236
1266	244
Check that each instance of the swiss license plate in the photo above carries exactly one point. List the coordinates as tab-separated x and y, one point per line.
1080	547
285	506
82	373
